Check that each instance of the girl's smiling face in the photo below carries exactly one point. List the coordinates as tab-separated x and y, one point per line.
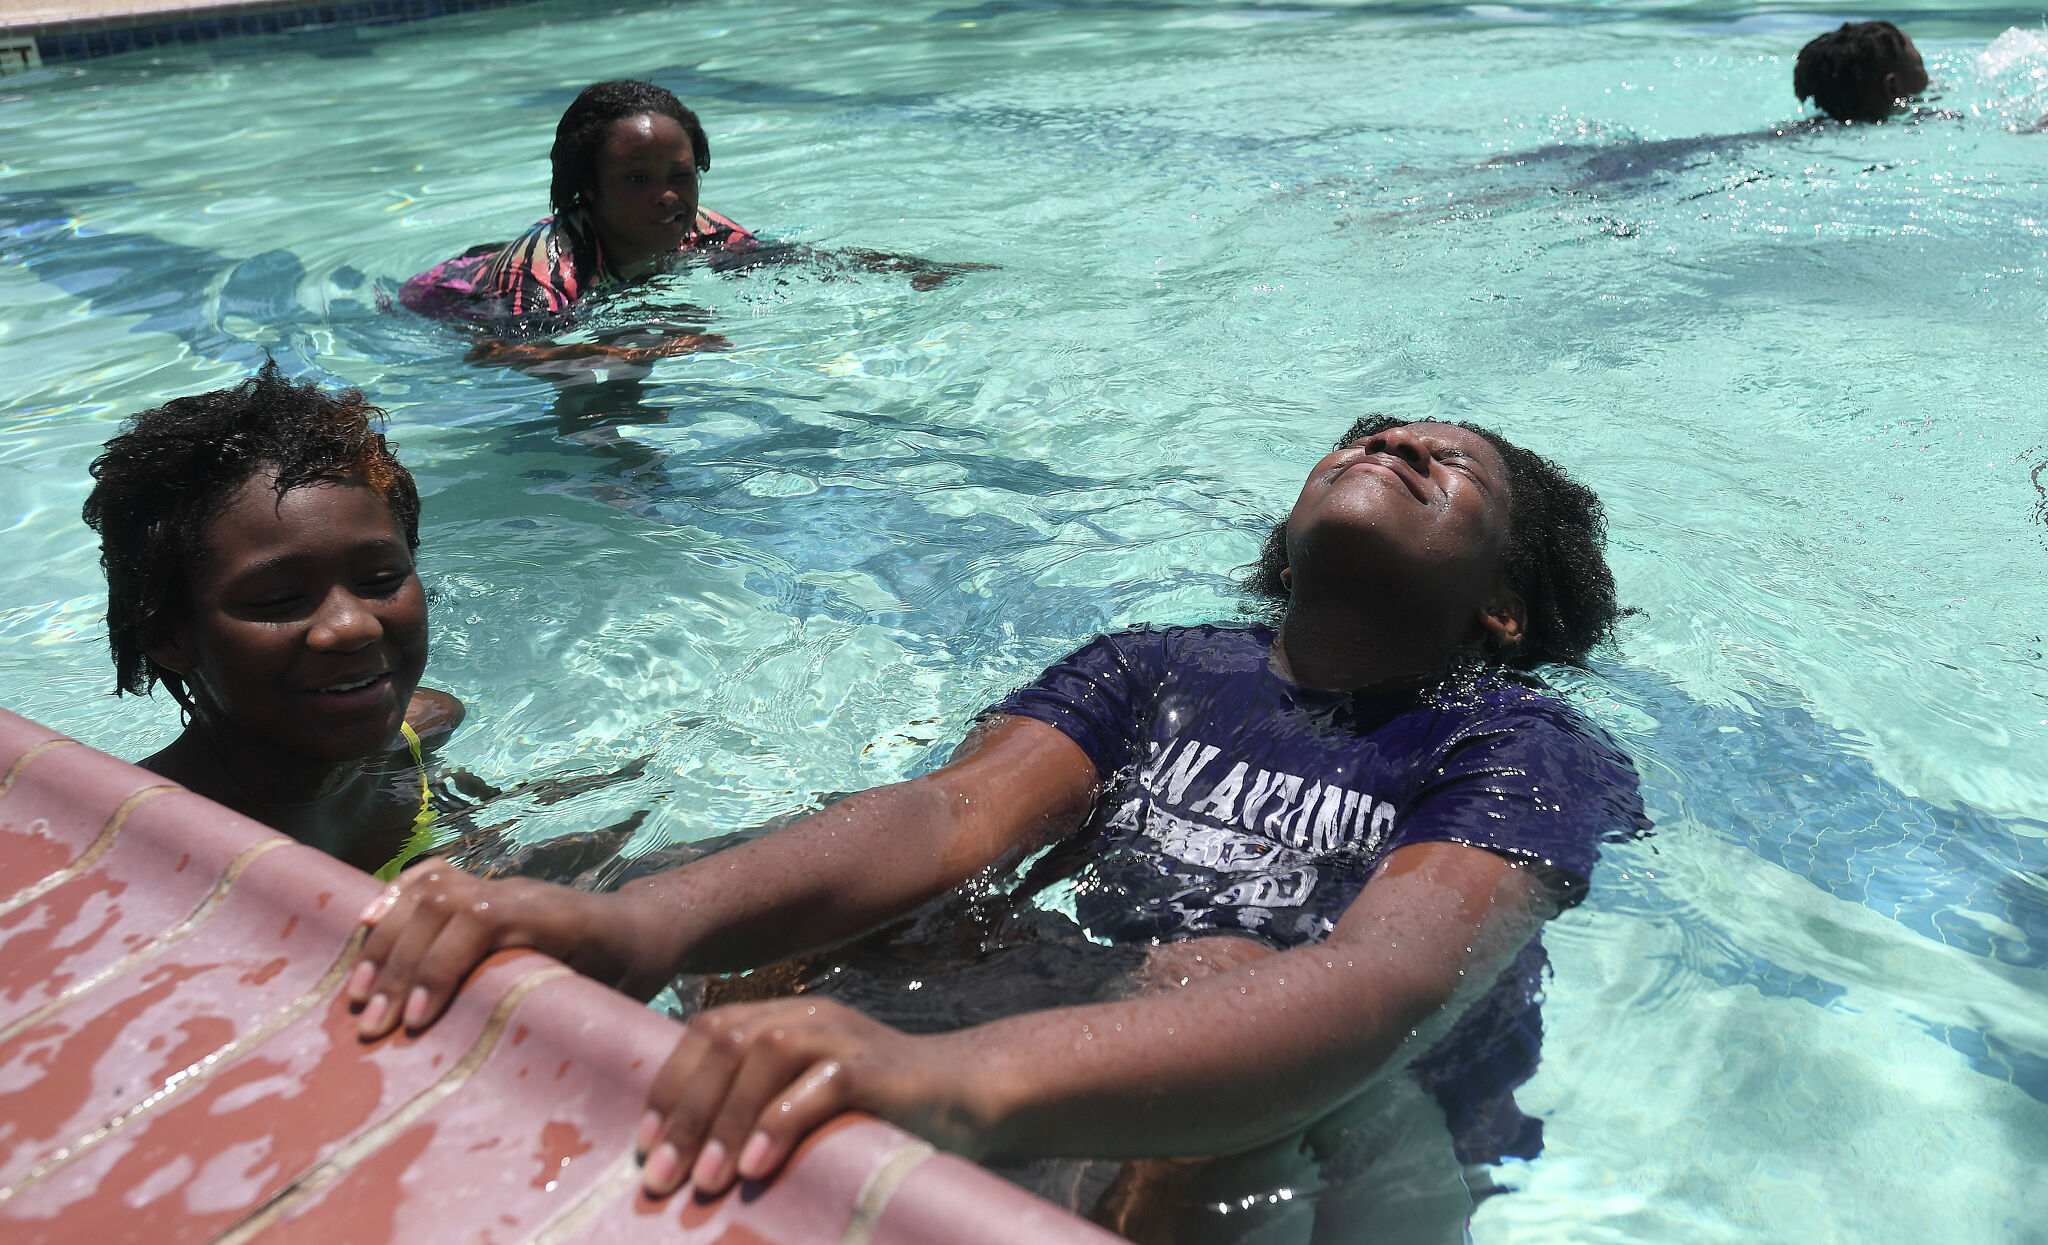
643	192
306	626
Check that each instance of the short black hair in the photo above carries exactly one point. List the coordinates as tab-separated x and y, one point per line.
1843	70
171	470
1556	559
579	136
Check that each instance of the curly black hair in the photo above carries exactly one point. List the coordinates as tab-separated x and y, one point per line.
1557	533
1843	70
171	470
579	136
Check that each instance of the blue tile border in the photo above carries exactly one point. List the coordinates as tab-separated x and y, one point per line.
85	38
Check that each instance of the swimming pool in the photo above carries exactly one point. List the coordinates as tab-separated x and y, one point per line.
1802	370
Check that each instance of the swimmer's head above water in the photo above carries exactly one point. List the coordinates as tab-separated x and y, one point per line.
1860	72
626	161
1476	521
173	470
628	154
258	543
169	491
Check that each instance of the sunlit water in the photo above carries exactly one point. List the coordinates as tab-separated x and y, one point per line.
1803	369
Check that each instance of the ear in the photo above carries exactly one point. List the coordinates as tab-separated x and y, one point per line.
1892	93
173	654
1502	618
1287	578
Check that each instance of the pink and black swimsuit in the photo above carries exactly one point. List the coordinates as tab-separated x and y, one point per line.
543	271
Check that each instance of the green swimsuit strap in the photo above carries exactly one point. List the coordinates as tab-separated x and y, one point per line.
422	839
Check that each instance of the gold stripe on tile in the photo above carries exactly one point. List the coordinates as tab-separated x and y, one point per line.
619	1180
374	1138
153	947
21	762
880	1187
37	890
194	1073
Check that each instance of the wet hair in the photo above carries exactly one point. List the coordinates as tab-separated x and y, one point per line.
170	471
1557	533
579	136
1843	70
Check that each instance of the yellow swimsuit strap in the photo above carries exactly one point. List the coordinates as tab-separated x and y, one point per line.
422	838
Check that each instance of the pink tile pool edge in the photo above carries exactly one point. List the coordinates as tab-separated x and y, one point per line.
210	1122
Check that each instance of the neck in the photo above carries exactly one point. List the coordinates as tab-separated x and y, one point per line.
623	263
633	268
313	801
1354	649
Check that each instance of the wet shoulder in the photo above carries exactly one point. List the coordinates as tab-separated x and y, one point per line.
1156	656
1539	728
714	230
1501	699
1215	649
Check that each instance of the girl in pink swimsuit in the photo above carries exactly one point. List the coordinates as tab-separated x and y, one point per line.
626	160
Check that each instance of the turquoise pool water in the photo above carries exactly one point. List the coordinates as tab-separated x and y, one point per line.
1803	369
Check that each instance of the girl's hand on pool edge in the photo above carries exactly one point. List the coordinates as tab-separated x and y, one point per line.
750	1081
435	923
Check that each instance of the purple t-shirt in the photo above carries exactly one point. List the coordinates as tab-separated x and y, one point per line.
1236	802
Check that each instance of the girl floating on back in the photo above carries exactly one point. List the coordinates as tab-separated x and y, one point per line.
1337	838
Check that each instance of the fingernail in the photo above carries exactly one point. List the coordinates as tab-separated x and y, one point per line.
710	1166
754	1159
380	905
650	1128
664	1168
416	1007
374	1012
360	981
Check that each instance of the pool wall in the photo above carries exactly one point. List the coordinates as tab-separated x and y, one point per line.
178	1062
75	30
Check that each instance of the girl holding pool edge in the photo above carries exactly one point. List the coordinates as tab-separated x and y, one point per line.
1368	812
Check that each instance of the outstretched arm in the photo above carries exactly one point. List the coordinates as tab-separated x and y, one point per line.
1013	784
532	355
1222	1064
924	273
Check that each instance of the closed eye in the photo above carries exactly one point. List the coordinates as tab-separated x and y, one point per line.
271	606
1466	463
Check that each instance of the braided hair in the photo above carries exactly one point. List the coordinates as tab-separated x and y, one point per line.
1557	532
172	470
1843	70
579	136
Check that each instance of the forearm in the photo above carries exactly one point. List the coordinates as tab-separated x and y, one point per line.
813	883
536	353
1260	1051
1218	1066
1014	784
